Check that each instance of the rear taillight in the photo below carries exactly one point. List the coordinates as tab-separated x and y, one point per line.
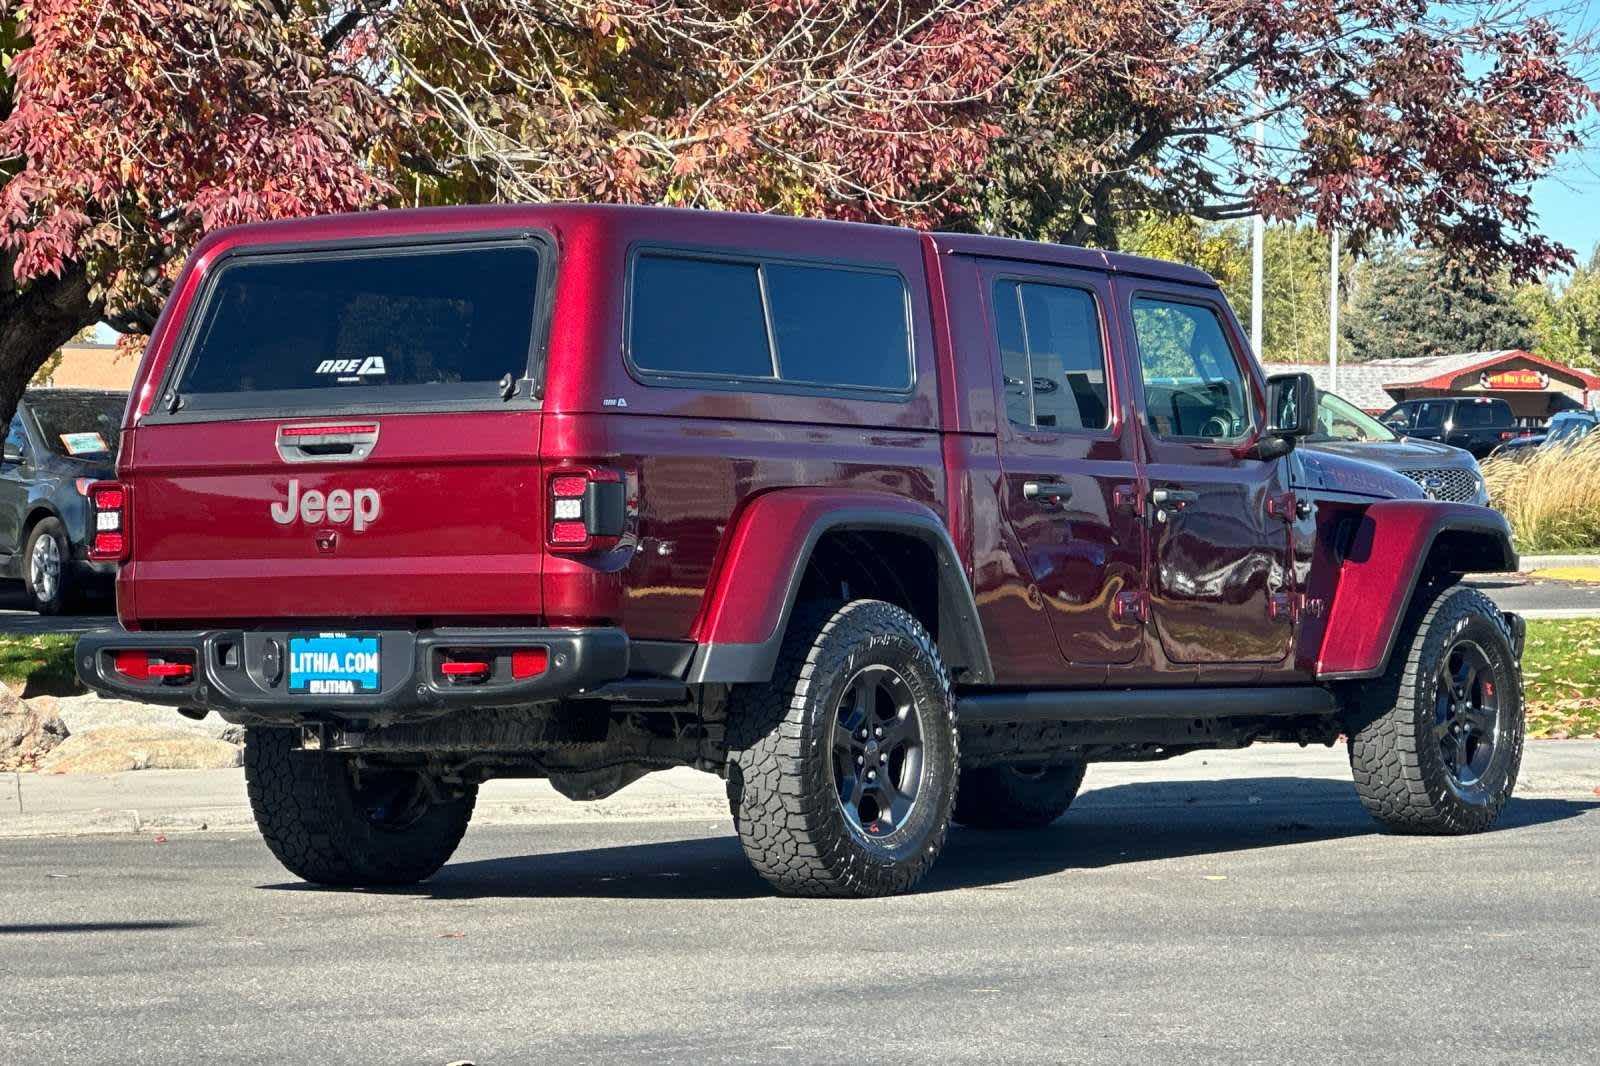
1507	435
108	522
588	509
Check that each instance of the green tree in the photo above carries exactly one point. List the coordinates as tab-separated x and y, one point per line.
1565	315
1413	303
1295	304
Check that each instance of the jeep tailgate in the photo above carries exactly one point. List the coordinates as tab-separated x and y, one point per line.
448	505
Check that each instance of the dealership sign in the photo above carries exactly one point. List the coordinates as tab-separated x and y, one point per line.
1514	379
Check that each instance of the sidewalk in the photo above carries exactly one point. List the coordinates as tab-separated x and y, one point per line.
167	801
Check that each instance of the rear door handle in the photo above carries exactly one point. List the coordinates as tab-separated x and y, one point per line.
1165	497
1053	493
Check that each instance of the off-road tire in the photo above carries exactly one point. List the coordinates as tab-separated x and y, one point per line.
1400	772
786	805
65	595
308	810
1011	797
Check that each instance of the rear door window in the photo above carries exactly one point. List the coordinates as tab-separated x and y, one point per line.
757	321
358	328
1051	356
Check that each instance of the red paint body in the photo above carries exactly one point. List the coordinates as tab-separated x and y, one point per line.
724	487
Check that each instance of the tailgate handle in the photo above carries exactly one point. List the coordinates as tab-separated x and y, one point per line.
325	441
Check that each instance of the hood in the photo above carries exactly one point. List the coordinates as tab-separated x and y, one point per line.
1404	454
1316	468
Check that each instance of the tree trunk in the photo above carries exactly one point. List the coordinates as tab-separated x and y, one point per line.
36	320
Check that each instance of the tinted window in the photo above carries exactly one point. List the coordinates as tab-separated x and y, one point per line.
1194	386
832	326
695	316
1429	415
839	327
1469	415
82	425
1051	356
419	321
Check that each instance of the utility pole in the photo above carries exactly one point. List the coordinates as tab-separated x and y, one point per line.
1333	312
1258	251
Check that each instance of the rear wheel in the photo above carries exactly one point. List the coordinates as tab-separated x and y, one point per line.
1441	734
46	569
333	824
1017	795
843	768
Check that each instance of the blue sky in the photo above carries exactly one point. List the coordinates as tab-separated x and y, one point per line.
1568	203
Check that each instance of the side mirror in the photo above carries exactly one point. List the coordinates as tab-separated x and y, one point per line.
1291	405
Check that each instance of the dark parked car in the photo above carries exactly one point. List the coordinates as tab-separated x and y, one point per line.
1444	472
1478	424
1564	430
60	442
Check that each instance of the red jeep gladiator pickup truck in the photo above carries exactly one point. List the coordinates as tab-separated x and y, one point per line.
888	529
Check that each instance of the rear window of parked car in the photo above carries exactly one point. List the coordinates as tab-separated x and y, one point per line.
413	325
767	321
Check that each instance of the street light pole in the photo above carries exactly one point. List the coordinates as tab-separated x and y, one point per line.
1333	312
1258	253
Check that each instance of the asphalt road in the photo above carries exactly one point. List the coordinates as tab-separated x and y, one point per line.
1159	922
1518	592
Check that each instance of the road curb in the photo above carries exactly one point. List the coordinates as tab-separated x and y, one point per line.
1550	562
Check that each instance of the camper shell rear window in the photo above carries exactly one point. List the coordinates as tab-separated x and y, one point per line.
386	327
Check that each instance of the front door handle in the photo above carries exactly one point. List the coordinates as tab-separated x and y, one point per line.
1052	493
1176	499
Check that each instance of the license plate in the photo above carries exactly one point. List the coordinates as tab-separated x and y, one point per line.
333	664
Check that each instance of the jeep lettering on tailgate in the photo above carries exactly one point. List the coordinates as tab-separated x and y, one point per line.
361	507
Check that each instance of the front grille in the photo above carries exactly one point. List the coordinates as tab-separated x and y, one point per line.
1452	484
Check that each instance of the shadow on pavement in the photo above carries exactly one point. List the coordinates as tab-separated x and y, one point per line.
1108	827
17	615
26	928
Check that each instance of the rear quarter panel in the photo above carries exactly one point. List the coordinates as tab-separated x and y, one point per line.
697	454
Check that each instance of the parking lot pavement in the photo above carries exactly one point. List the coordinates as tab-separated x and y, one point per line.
1167	919
1538	598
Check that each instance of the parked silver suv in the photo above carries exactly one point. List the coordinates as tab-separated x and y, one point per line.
1444	472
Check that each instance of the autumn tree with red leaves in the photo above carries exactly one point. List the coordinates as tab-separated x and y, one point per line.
132	126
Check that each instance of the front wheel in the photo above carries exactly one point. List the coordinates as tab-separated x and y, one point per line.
843	769
334	824
1439	743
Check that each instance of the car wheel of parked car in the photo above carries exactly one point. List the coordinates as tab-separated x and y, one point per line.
842	770
329	823
46	569
1017	795
1440	736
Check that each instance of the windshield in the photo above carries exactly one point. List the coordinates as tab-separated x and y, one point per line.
1339	419
83	426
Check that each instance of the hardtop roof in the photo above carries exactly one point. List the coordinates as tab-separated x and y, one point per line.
619	217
